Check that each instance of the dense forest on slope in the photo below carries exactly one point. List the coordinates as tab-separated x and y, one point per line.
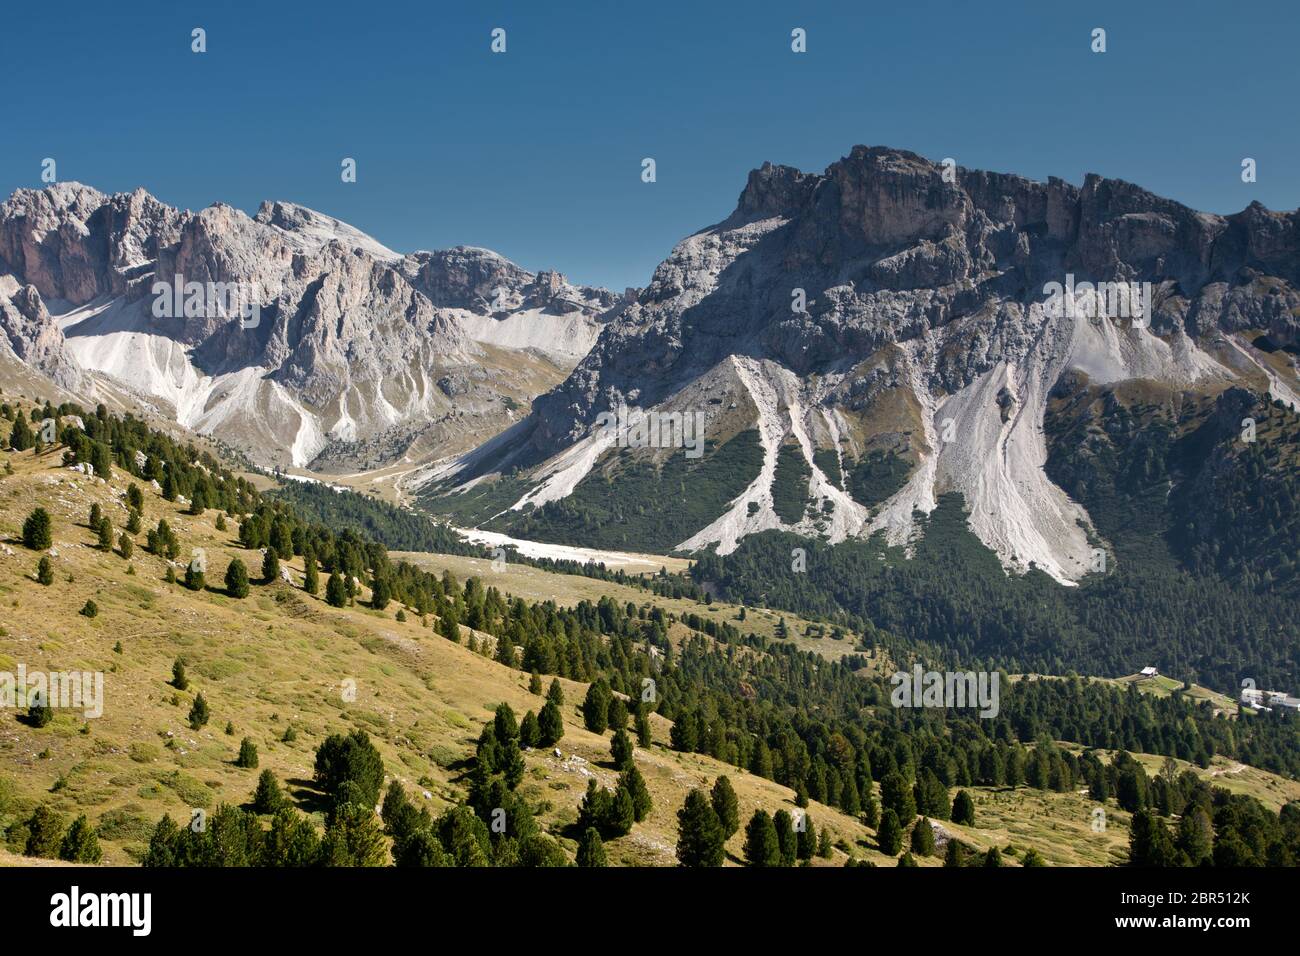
1183	590
630	503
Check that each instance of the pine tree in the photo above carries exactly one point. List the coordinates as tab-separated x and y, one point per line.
622	812
700	841
81	844
270	566
247	759
963	809
311	575
199	712
336	594
993	857
591	851
643	733
805	838
550	723
620	748
955	855
632	781
907	859
595	708
36	530
237	579
762	846
784	824
890	835
20	436
89	609
133	522
1033	858
44	833
44	571
922	841
179	680
555	693
824	844
726	806
125	546
96	516
530	731
267	798
380	593
535	684
194	577
134	498
105	531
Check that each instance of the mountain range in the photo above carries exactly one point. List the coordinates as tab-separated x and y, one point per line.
856	343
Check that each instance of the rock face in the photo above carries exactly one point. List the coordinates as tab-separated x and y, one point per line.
308	340
927	331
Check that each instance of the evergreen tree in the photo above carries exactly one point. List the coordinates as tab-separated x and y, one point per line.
620	748
247	759
762	846
349	759
125	545
336	594
267	798
555	693
550	725
896	795
726	806
784	824
922	841
595	708
199	712
270	566
963	809
20	435
380	593
805	838
311	575
530	731
890	835
632	781
44	833
643	733
134	498
955	855
96	516
591	851
194	577
36	530
179	679
1149	843
133	522
1033	858
90	609
44	571
535	684
907	859
237	579
993	857
699	834
824	844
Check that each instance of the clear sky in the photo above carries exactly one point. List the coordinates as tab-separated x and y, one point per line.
537	152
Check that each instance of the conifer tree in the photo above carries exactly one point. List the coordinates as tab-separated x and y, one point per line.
643	733
595	708
267	798
81	844
890	835
179	680
125	546
44	833
620	748
805	839
784	824
591	851
36	530
336	594
955	855
247	759
762	846
824	844
530	731
550	724
632	781
555	693
922	841
699	834
270	566
993	857
44	571
311	575
963	809
199	712
237	579
535	684
726	806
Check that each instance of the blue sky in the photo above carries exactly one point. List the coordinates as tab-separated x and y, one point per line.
537	152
